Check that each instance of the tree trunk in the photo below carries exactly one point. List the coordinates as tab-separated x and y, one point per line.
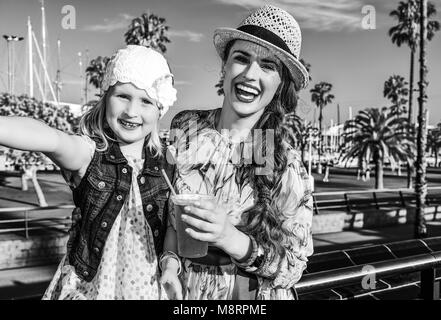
410	169
420	227
411	76
319	168
40	195
436	157
24	181
303	154
378	172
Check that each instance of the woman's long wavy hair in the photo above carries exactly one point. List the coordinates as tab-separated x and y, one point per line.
93	123
262	221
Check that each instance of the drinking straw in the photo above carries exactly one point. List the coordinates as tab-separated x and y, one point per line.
208	161
168	182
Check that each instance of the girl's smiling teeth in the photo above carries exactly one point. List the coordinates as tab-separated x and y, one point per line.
246	93
128	124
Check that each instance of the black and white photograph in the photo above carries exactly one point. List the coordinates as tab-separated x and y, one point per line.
220	150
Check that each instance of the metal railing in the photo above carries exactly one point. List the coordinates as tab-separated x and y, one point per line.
424	263
31	223
390	266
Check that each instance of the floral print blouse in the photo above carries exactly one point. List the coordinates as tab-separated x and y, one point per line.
209	162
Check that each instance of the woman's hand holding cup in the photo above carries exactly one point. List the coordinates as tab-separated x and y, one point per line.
211	222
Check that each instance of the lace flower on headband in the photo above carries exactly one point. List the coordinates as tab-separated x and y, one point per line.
145	68
164	92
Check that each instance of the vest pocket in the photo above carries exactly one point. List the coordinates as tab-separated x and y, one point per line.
98	192
100	184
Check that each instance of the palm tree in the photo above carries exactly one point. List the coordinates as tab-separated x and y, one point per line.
407	32
321	96
148	30
395	89
96	69
434	142
378	136
420	228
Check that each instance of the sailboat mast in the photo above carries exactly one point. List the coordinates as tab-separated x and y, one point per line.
30	62
80	64
43	38
85	77
58	76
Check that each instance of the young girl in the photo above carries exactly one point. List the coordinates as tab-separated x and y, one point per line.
259	227
114	169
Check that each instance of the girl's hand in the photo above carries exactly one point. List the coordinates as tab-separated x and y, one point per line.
172	285
212	222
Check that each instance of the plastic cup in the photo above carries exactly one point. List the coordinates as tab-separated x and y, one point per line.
187	246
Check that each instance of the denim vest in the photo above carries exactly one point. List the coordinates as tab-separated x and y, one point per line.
100	197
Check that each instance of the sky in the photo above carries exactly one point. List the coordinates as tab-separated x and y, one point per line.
355	60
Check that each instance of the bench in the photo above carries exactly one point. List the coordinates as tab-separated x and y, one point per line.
351	201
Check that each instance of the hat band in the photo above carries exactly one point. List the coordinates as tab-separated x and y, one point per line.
266	35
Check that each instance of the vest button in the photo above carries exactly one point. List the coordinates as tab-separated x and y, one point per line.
156	168
85	273
156	233
96	250
124	170
101	184
149	207
119	197
142	180
112	157
104	225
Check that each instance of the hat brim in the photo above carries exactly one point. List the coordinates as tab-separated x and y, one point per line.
222	36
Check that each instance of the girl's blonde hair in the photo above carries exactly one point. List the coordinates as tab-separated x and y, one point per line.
93	124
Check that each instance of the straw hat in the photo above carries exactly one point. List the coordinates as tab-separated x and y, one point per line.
275	29
145	68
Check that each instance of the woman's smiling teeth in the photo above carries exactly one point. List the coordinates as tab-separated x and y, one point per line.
246	93
128	124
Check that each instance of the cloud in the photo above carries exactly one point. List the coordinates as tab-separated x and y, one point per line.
190	35
336	15
122	21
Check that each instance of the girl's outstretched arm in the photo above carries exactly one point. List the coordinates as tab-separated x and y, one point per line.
65	150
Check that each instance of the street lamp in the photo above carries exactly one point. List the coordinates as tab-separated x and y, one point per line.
11	56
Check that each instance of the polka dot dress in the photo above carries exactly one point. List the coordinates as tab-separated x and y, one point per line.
128	267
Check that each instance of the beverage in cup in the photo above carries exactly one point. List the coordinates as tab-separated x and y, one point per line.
187	246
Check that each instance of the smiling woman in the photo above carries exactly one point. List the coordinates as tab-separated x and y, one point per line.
251	79
259	226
